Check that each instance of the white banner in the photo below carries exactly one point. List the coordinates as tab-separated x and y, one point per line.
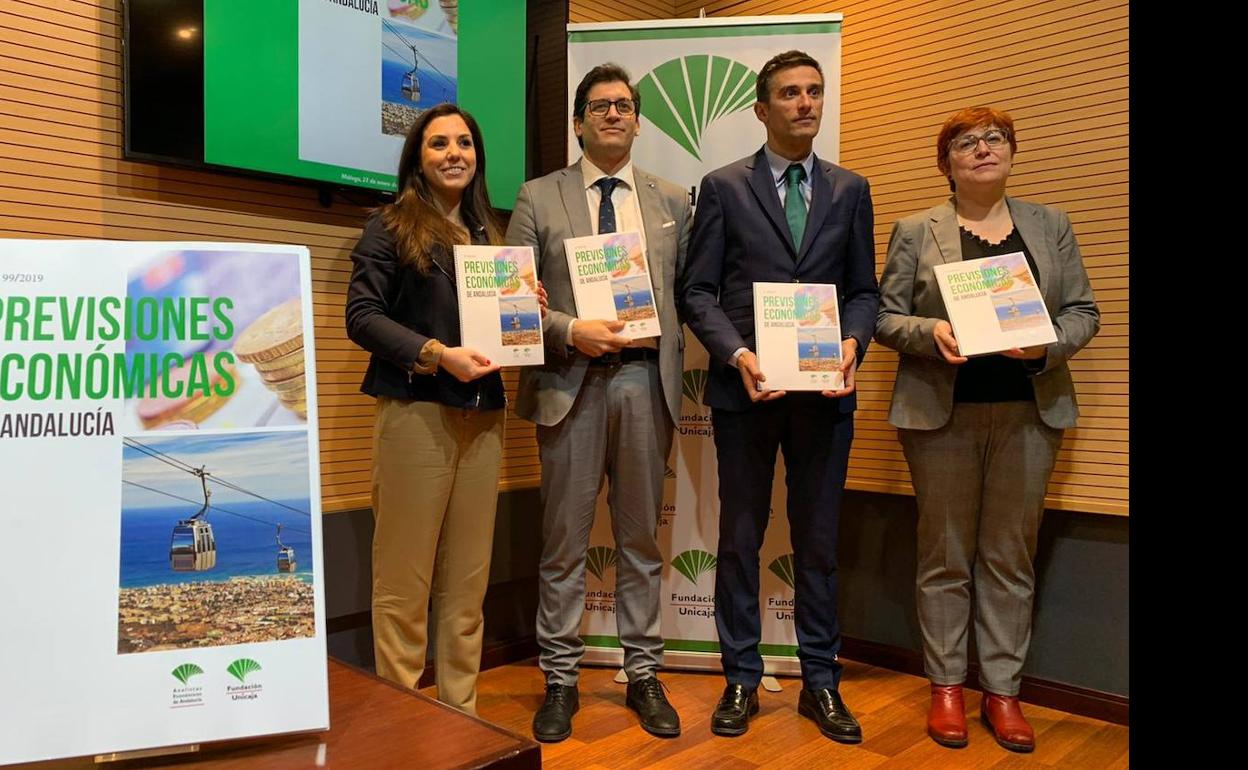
696	79
161	551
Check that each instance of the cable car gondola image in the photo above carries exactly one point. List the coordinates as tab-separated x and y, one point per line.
285	554
811	339
236	568
411	83
414	80
193	544
192	548
515	316
632	296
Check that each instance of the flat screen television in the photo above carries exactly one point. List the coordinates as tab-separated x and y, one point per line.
320	90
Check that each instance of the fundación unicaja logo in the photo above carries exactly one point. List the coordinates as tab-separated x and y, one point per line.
782	567
695	422
599	559
780	606
240	668
693	563
693	384
695	602
184	672
684	96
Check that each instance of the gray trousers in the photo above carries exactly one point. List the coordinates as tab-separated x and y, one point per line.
980	482
619	429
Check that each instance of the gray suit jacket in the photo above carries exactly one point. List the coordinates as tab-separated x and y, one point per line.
910	306
553	208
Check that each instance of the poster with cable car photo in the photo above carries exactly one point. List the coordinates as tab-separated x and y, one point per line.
159	441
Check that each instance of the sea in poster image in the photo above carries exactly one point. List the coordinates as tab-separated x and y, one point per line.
245	546
640	297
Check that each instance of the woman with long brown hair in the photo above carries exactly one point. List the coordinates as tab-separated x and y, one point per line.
437	442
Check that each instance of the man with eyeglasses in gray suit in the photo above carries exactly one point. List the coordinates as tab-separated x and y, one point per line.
605	405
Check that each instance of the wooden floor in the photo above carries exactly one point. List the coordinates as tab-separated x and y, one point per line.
892	708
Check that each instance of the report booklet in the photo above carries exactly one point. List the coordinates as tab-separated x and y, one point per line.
610	279
797	333
499	315
994	304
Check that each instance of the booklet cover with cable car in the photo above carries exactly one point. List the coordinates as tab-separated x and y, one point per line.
159	438
611	279
994	304
499	312
797	330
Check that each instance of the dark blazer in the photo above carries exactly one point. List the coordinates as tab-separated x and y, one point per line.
911	306
740	236
393	310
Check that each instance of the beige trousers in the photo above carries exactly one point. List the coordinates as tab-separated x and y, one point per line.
435	490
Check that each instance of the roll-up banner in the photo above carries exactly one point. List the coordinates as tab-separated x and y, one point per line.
696	79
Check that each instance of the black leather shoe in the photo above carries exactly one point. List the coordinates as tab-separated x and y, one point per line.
826	708
645	696
553	721
733	712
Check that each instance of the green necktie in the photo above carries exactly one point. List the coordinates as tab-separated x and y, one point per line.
794	204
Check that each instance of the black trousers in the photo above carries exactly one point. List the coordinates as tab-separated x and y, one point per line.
815	438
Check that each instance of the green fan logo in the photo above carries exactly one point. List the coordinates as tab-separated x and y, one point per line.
693	563
599	559
184	672
684	96
693	383
782	568
240	668
668	473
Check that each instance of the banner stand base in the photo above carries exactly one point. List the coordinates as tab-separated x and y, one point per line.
117	756
773	665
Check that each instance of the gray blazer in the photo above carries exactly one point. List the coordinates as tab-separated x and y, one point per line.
553	208
910	306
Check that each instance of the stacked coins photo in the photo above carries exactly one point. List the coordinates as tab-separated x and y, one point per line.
183	412
451	9
273	343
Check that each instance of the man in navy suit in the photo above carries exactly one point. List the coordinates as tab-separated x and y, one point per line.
780	215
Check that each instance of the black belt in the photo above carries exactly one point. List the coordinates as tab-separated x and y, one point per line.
625	356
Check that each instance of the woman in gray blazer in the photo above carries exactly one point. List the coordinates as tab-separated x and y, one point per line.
980	434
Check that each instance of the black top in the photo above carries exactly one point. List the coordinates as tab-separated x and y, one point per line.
393	310
993	378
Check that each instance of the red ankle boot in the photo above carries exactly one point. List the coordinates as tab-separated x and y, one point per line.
946	717
1004	719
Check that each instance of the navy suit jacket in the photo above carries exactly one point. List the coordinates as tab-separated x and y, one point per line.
740	236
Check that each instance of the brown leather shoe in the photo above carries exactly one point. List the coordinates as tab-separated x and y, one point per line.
1004	719
946	717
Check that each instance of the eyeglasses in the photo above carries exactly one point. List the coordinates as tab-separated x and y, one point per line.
600	107
995	138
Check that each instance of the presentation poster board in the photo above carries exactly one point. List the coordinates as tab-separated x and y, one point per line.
161	550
